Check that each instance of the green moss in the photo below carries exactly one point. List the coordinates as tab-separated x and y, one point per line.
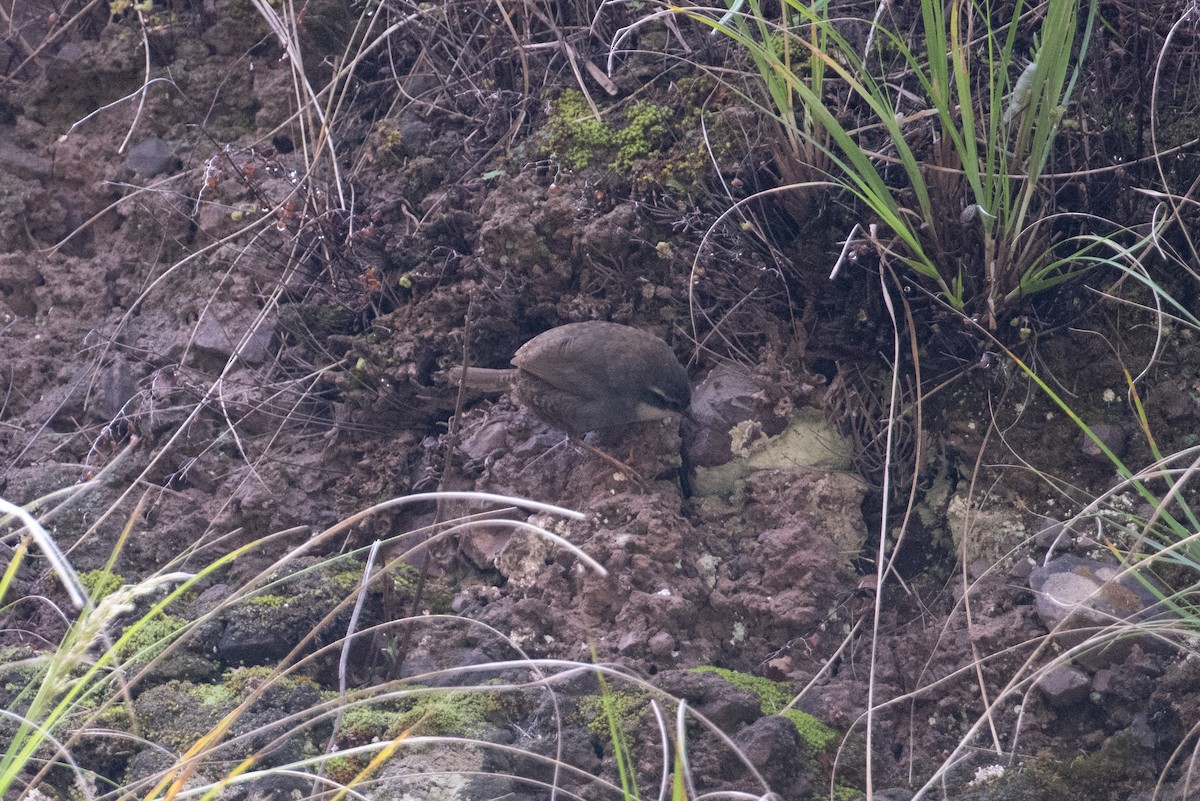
177	713
404	578
117	717
211	694
435	712
578	138
270	601
772	697
646	131
1109	774
625	706
150	638
813	732
342	770
461	713
454	712
240	682
100	583
347	579
575	134
19	669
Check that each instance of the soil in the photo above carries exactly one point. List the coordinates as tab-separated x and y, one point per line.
237	324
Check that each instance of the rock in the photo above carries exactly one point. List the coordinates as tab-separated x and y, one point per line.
894	794
743	422
773	746
1113	437
221	333
151	157
1064	687
725	705
1076	597
662	645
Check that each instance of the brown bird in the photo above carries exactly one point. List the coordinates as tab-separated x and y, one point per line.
588	376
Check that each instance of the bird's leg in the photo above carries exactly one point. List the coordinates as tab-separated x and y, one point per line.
608	457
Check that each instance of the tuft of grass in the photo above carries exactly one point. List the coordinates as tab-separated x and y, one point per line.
949	159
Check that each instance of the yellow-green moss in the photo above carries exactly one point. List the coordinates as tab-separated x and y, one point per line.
117	717
645	132
100	583
211	694
578	138
390	138
347	579
386	145
240	682
625	706
456	712
237	683
150	638
812	731
772	697
268	600
435	712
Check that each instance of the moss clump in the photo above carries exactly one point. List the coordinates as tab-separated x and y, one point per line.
1109	774
772	697
646	131
100	583
150	638
578	138
575	134
177	713
464	713
404	578
269	601
670	144
212	695
435	712
390	138
623	706
386	145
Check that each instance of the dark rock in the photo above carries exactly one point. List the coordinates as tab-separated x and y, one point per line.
894	794
220	331
1172	401
661	645
1064	687
1113	436
773	746
725	705
730	396
151	157
24	164
1142	732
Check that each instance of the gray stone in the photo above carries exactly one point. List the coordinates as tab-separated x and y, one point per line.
1065	687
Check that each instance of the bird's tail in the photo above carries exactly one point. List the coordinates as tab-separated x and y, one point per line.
485	379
